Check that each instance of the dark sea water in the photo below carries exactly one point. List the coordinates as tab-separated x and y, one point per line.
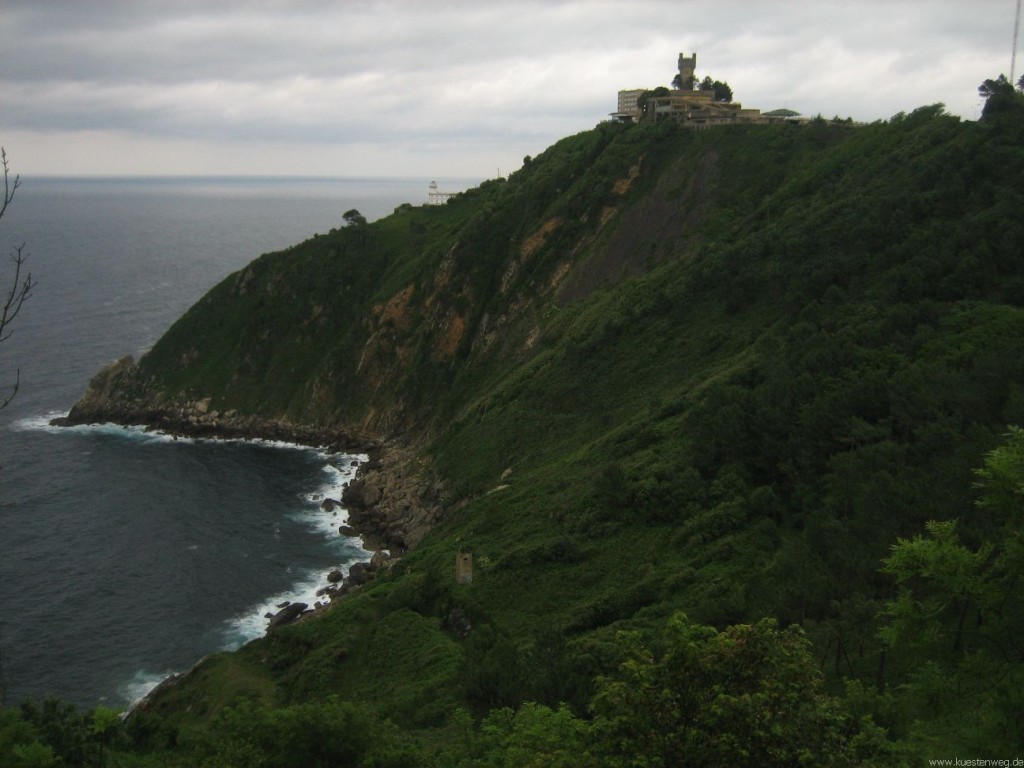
127	556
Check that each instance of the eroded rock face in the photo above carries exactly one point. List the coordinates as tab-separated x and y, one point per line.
108	392
359	573
394	501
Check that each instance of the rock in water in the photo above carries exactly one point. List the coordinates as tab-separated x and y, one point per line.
286	615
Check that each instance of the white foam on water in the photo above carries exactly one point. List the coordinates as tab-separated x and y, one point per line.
38	423
43	423
338	471
140	685
253	623
322	510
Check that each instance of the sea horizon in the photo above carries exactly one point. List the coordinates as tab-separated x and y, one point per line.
124	557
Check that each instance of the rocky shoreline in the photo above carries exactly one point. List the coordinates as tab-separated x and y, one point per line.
392	502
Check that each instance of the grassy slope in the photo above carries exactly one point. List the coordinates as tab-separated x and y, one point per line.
783	349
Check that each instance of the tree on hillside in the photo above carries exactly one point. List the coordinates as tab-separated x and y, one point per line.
690	695
1001	96
21	285
721	89
353	218
748	695
679	84
959	617
644	97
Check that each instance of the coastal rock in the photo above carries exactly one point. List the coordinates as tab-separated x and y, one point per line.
360	573
348	530
394	500
335	576
352	495
340	592
121	395
104	395
372	494
380	560
287	615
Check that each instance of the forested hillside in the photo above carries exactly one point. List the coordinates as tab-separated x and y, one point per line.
726	419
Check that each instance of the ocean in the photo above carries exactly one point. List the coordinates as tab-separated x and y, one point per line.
127	556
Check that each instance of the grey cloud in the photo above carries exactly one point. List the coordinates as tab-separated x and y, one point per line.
345	72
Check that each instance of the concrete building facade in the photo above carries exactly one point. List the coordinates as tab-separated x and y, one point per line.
627	103
693	109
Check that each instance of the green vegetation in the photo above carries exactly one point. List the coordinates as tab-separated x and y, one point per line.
1001	96
721	88
706	406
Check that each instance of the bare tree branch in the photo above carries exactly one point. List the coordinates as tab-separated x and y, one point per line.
10	185
20	291
21	286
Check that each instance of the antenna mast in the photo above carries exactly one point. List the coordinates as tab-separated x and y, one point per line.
1013	58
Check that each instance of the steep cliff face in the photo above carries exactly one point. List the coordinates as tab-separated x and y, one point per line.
368	329
380	336
639	297
655	370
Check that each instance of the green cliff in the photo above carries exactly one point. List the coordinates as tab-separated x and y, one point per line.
654	372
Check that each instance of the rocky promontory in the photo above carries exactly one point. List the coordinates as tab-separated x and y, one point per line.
393	502
118	394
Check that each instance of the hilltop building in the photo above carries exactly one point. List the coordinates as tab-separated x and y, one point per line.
628	107
691	108
435	197
687	70
698	109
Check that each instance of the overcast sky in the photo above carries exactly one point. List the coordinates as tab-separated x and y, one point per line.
443	88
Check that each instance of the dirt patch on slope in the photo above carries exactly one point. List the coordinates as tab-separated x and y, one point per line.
537	239
396	310
450	338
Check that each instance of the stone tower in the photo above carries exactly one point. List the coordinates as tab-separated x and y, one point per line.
464	567
687	68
